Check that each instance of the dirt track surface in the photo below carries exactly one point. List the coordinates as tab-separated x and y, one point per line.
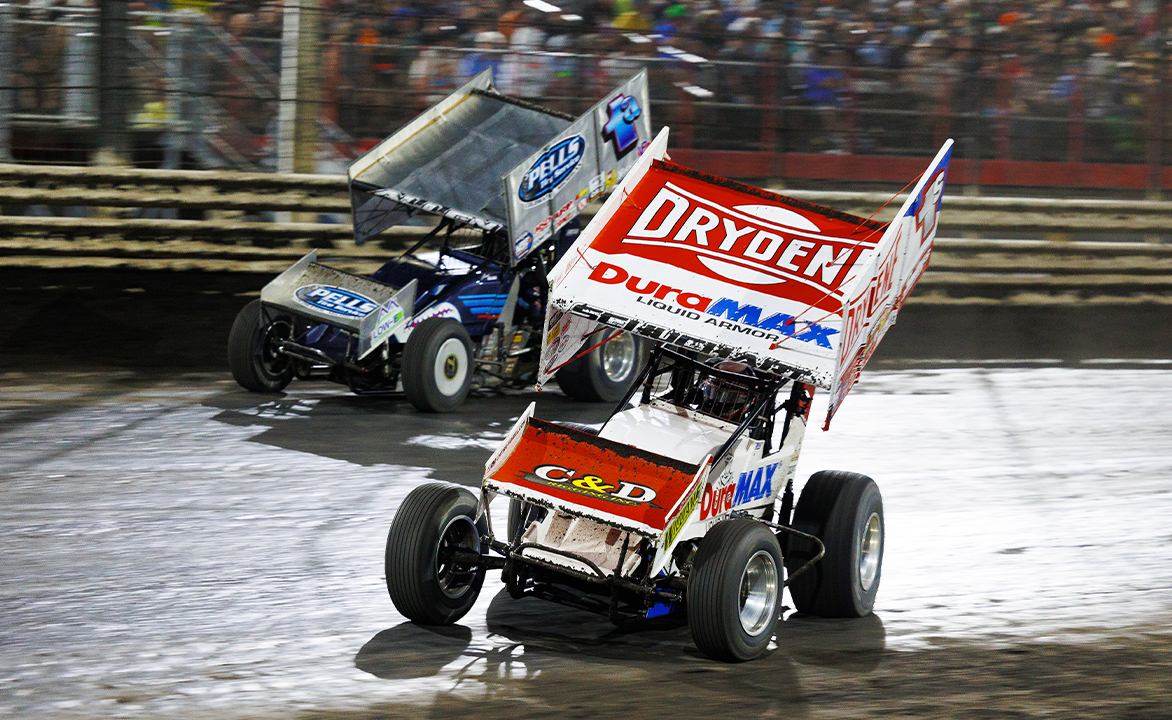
177	547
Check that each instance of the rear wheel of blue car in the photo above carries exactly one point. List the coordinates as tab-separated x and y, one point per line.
437	365
253	357
845	511
605	373
734	591
429	575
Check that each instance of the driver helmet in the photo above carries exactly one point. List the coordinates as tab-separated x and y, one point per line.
726	399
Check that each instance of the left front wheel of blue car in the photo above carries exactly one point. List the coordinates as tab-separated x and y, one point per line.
437	365
253	357
432	536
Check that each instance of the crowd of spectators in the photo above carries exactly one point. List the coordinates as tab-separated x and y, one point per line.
1037	79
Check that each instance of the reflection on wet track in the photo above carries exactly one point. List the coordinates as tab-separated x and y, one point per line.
180	547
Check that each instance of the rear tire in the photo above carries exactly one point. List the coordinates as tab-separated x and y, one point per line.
605	373
424	583
845	511
734	592
437	365
252	356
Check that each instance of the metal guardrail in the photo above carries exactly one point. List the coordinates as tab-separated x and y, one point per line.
110	232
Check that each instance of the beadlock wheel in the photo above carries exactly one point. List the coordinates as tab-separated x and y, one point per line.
253	358
618	358
734	591
451	366
437	365
845	511
455	580
870	552
758	593
605	373
427	580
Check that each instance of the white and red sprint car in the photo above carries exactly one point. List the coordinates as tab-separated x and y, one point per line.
684	499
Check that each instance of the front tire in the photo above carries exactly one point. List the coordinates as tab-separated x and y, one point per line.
605	373
424	582
845	511
437	365
252	356
734	592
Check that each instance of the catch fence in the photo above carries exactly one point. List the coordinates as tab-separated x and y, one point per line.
204	97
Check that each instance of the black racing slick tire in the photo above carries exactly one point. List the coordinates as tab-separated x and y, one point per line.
605	373
845	511
252	355
734	591
425	583
437	365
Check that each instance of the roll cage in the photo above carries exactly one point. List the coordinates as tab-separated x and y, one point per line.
675	378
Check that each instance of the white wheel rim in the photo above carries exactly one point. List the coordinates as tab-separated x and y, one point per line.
870	551
758	593
618	357
451	366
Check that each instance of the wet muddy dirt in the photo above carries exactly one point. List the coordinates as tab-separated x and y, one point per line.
176	547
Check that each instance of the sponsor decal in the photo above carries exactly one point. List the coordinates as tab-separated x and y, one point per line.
716	500
677	524
754	486
770	244
724	313
597	186
563	215
592	486
555	327
335	301
738	244
523	245
556	339
876	309
620	128
436	209
543	230
748	319
675	337
389	319
552	168
484	305
441	310
749	487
